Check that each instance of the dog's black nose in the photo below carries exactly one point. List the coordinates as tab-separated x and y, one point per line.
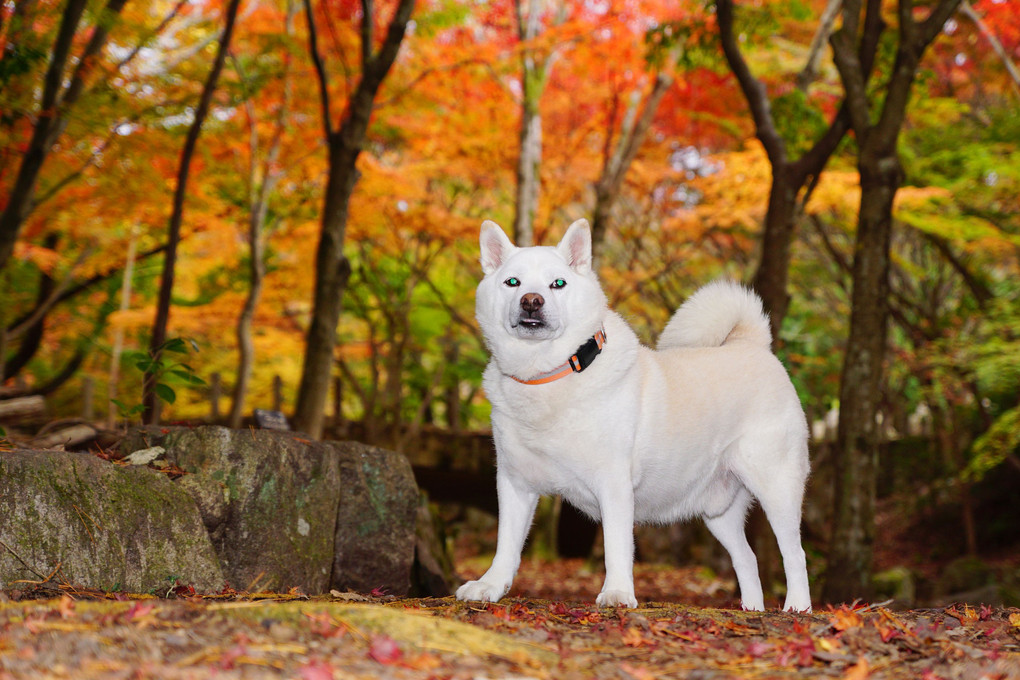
532	302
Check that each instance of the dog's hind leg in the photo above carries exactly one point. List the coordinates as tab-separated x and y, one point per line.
782	506
781	499
728	528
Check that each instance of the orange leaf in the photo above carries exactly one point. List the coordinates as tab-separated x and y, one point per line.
66	607
858	671
845	618
633	637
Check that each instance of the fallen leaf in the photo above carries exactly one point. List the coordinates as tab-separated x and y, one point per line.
1014	619
967	617
385	650
738	628
633	637
829	644
140	613
66	607
797	652
845	618
316	670
637	672
230	657
858	671
325	625
887	633
349	597
423	662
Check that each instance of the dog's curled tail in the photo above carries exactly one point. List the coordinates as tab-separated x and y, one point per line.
722	311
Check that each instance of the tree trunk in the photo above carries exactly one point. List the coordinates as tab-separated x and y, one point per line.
858	436
31	330
159	327
529	159
529	164
261	185
19	203
770	278
126	285
245	343
792	180
59	95
617	161
332	269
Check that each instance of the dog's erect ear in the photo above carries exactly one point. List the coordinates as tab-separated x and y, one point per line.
495	245
576	246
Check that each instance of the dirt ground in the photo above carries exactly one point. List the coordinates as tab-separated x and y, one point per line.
688	629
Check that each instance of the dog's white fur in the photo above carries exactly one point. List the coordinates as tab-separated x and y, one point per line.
699	427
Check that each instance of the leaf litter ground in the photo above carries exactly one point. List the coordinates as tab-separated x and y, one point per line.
689	631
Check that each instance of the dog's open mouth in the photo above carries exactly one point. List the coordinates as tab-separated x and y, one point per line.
530	327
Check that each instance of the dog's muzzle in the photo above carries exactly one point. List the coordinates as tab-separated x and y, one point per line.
531	311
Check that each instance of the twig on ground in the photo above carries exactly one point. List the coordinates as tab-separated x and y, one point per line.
44	580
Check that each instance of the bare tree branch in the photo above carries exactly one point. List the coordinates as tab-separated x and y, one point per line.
320	69
753	89
818	43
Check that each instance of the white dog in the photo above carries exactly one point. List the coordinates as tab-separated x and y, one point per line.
699	427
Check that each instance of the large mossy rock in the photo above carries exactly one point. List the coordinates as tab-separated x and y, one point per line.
376	517
287	512
105	526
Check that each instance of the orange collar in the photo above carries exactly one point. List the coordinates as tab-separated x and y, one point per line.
580	360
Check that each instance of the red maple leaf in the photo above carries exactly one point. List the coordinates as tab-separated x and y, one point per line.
385	650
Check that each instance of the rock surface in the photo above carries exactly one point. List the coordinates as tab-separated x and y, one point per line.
284	511
375	528
258	510
268	500
114	528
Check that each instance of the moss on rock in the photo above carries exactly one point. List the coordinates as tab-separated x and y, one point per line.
104	526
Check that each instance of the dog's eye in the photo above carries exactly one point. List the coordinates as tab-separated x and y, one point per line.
513	282
558	283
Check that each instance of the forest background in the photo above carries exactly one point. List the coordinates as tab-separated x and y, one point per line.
185	185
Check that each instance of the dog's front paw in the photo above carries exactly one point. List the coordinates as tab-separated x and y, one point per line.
797	605
616	598
480	591
756	604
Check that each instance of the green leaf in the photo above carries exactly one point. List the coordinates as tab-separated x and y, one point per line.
187	374
126	411
176	345
992	447
165	393
798	122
